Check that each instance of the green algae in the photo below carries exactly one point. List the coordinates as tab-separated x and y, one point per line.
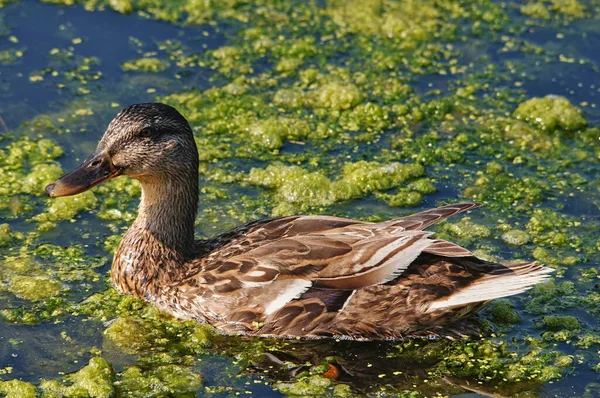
3	3
121	6
66	208
551	113
412	195
17	389
93	380
43	274
505	189
7	236
536	10
34	288
97	379
466	229
271	133
503	312
336	96
300	189
130	335
570	9
163	380
554	322
338	116
516	237
10	56
147	65
309	386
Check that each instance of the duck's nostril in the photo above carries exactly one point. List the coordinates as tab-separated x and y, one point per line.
50	188
96	163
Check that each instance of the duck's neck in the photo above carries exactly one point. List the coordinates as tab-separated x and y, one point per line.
155	249
168	209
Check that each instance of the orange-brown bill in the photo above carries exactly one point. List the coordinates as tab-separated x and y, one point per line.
96	169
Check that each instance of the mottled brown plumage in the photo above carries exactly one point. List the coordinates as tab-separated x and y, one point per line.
307	276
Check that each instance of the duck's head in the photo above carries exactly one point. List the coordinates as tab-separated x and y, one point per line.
149	142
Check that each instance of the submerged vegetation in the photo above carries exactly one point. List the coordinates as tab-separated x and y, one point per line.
365	109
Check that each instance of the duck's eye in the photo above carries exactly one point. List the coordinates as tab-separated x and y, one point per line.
145	132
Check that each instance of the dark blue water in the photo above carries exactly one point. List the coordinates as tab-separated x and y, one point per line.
107	36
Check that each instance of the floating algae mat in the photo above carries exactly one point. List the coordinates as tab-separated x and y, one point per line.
363	109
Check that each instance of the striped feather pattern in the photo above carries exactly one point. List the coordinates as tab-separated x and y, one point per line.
321	276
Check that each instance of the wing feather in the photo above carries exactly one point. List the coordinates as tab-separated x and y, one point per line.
425	219
444	248
509	281
271	265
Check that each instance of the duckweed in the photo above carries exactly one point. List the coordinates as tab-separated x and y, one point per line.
309	386
337	96
503	312
34	288
554	322
148	65
551	113
466	229
67	207
516	237
17	389
6	235
330	109
93	380
130	335
303	189
158	382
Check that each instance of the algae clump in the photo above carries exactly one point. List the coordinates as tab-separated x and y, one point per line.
122	6
34	288
6	235
148	65
309	386
93	380
516	237
466	229
337	96
503	312
17	389
556	322
299	189
130	335
570	8
550	113
535	10
162	381
270	133
66	208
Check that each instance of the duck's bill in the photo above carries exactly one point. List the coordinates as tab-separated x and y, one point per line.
96	169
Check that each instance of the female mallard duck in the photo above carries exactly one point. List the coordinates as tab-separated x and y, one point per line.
306	276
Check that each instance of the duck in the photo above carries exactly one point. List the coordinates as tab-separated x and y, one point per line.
296	276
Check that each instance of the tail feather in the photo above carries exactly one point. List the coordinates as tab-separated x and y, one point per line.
513	279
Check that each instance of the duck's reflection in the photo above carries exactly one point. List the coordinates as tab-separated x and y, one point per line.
388	367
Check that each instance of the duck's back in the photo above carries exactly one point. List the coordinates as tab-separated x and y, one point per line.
316	276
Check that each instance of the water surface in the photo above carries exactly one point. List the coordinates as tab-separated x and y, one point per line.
303	89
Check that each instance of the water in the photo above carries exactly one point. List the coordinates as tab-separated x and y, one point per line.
61	336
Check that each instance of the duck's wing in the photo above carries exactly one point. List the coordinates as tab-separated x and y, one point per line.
348	256
329	252
425	219
259	278
304	270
